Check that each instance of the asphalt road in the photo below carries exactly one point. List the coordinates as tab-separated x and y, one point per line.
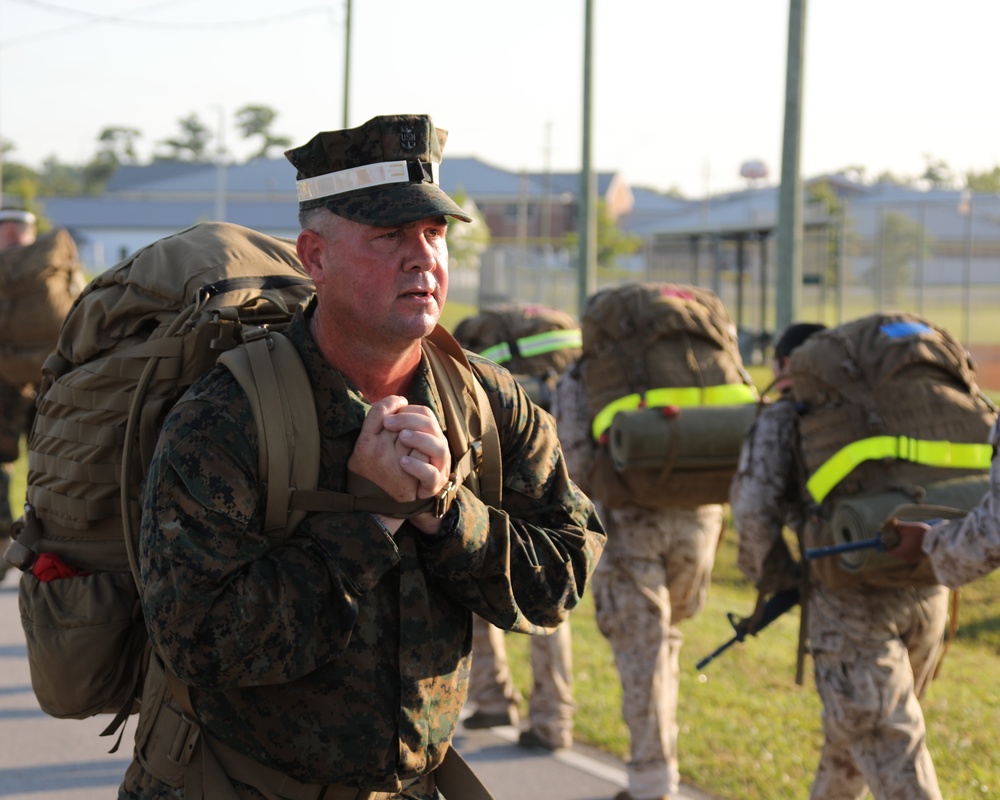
42	758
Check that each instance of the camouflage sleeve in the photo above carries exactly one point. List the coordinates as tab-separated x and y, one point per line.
572	415
224	606
760	489
964	549
527	564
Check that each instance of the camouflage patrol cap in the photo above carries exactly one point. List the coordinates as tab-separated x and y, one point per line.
382	173
17	215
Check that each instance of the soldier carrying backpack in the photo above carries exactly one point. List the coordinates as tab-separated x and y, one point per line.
877	418
331	660
40	277
659	363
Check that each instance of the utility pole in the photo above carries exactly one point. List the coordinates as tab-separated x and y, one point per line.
789	282
220	169
347	63
587	270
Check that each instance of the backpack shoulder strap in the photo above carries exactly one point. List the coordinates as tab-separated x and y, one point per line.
272	374
460	389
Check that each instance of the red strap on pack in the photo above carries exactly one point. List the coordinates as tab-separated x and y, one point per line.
49	567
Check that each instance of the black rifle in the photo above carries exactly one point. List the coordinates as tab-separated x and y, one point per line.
752	625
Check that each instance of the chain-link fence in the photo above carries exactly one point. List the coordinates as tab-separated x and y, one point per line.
938	258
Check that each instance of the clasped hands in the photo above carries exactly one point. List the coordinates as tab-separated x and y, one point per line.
402	449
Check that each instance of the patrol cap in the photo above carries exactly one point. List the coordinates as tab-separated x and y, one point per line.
382	173
17	215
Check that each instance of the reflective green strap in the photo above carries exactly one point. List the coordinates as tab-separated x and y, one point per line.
728	394
903	448
535	345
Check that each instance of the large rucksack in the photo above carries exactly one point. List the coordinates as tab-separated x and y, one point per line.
138	336
661	363
536	343
38	284
892	422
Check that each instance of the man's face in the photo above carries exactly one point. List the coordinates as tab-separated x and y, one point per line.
383	284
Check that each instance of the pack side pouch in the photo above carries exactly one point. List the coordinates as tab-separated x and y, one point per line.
85	636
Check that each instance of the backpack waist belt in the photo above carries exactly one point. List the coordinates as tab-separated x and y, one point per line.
190	744
535	345
728	394
903	448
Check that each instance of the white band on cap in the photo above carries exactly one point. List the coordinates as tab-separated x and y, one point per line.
16	215
347	180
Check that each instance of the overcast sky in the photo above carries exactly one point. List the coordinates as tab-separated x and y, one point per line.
684	91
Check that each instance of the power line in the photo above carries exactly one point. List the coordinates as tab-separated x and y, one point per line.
89	18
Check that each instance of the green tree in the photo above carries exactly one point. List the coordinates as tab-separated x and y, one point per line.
986	182
466	242
612	241
937	173
255	120
116	146
191	144
60	180
901	240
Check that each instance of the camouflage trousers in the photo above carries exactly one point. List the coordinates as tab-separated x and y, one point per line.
874	654
492	689
654	574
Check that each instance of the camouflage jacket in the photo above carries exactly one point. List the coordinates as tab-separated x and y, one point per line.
964	549
342	655
765	494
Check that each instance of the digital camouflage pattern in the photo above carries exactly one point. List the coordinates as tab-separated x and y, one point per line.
342	655
766	494
874	650
964	549
655	573
401	137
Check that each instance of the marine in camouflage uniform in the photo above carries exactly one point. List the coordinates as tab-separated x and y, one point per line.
874	650
655	574
340	657
17	403
492	693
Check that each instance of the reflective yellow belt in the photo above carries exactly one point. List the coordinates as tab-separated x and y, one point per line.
536	345
728	394
903	448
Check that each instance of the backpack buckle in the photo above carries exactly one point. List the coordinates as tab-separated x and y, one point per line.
183	746
444	500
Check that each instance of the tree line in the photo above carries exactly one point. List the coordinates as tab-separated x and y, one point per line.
116	146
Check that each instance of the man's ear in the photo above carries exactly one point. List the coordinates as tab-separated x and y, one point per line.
310	246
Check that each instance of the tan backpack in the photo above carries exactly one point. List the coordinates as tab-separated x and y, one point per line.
38	285
650	351
139	335
891	417
536	343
